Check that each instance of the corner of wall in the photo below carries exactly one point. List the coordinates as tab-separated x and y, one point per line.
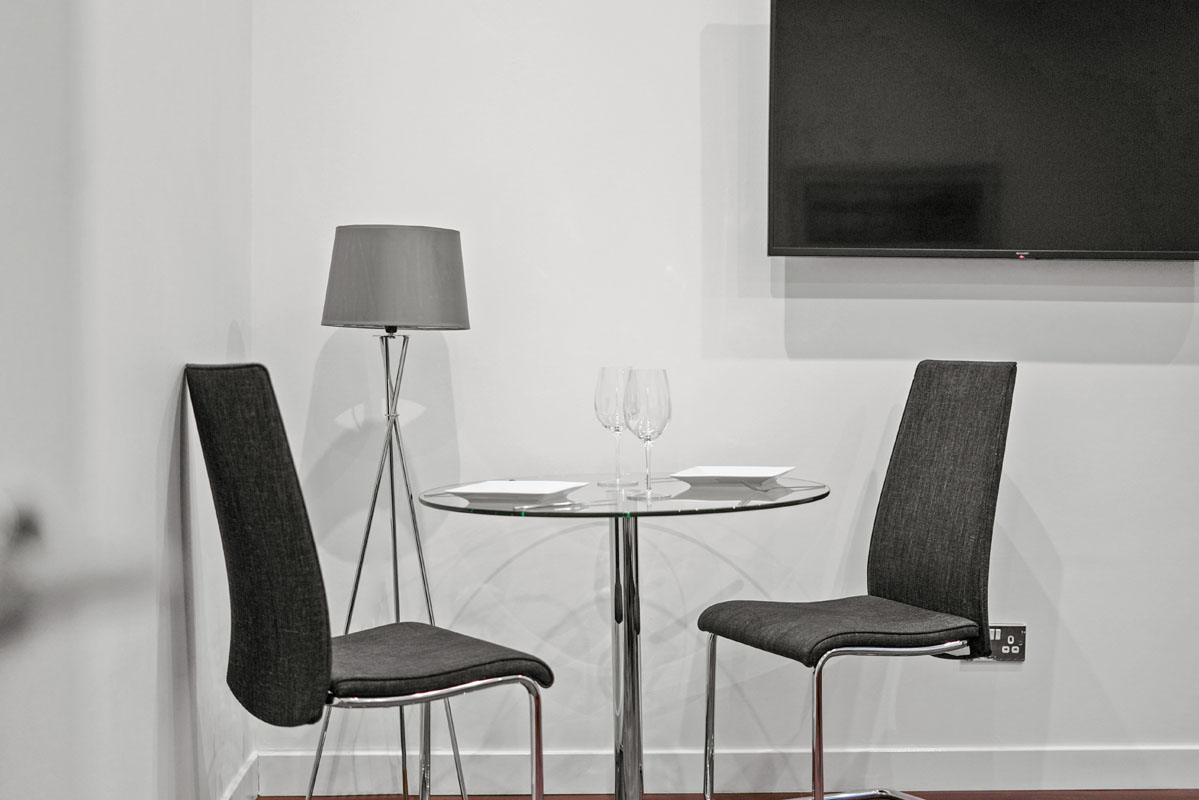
244	785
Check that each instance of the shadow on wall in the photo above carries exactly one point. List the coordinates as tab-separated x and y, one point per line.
178	716
1114	312
741	315
344	434
1031	587
202	730
1100	312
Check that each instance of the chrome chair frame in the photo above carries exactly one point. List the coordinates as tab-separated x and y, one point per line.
424	699
817	717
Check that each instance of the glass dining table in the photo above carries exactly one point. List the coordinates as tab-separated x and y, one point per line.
577	496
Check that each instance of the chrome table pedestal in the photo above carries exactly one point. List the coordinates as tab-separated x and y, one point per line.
626	659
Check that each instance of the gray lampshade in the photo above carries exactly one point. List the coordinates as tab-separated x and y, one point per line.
396	276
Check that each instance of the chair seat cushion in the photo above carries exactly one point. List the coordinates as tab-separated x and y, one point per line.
806	631
409	657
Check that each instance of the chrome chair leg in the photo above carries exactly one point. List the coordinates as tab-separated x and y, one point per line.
320	746
426	755
818	730
425	701
403	753
536	743
710	721
817	718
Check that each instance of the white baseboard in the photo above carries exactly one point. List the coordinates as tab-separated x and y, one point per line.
675	771
245	783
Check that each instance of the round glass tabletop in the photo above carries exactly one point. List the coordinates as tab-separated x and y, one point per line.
580	496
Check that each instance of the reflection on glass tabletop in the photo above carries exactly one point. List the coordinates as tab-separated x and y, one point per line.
548	497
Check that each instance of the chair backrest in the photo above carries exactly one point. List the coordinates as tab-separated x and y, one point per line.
280	657
931	545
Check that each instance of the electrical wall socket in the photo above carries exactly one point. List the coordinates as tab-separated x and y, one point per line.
1008	642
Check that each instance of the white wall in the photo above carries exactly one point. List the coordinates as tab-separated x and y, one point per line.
39	354
605	163
125	199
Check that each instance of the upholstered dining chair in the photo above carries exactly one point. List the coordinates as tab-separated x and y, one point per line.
284	665
930	550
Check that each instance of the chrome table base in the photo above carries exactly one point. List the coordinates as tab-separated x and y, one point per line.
626	659
869	794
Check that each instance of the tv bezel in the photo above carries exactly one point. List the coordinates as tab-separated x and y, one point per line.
773	249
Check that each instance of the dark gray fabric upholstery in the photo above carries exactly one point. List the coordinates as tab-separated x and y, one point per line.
283	664
279	653
806	631
410	657
931	545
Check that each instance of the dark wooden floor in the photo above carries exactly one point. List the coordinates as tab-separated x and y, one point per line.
1057	794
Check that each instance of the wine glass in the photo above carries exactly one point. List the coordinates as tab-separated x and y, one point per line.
646	414
609	410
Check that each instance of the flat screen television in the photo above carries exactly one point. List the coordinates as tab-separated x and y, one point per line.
995	128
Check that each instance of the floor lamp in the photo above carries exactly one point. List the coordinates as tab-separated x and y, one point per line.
397	277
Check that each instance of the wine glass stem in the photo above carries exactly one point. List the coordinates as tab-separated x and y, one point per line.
616	435
649	446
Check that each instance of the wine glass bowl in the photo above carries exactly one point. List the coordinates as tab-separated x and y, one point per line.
647	415
610	387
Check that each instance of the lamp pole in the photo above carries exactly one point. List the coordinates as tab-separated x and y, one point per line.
393	446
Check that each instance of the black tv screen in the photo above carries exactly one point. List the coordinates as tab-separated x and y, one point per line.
1000	128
